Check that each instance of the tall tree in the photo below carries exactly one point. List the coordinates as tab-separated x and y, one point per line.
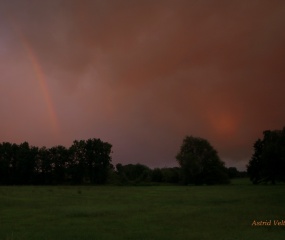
267	163
25	161
6	163
90	161
44	167
200	162
98	160
59	160
77	161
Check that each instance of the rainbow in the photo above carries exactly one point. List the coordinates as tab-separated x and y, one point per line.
39	73
40	76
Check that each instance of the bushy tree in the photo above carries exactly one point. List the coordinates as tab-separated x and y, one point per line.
267	163
200	162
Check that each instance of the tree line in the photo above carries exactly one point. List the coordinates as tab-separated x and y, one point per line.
89	162
84	162
138	174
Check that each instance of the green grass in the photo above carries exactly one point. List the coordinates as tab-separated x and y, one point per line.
154	212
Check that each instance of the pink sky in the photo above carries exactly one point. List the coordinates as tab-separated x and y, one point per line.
142	74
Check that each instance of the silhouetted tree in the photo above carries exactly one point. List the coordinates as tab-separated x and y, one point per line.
133	173
6	156
59	156
267	163
11	152
17	163
77	162
25	163
90	161
200	162
98	160
84	162
44	166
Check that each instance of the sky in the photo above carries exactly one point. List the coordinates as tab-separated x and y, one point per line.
142	75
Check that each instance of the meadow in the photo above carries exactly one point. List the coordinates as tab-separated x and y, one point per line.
141	212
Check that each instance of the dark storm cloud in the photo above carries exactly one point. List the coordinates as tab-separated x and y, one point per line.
143	74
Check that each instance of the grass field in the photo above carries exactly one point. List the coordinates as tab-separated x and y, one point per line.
153	212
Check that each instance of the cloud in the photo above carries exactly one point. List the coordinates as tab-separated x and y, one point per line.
143	74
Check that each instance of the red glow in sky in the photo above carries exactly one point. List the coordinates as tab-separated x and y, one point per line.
143	74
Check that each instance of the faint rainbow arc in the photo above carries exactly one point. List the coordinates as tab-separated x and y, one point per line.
40	76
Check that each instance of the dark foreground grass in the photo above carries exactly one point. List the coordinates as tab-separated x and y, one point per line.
163	212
